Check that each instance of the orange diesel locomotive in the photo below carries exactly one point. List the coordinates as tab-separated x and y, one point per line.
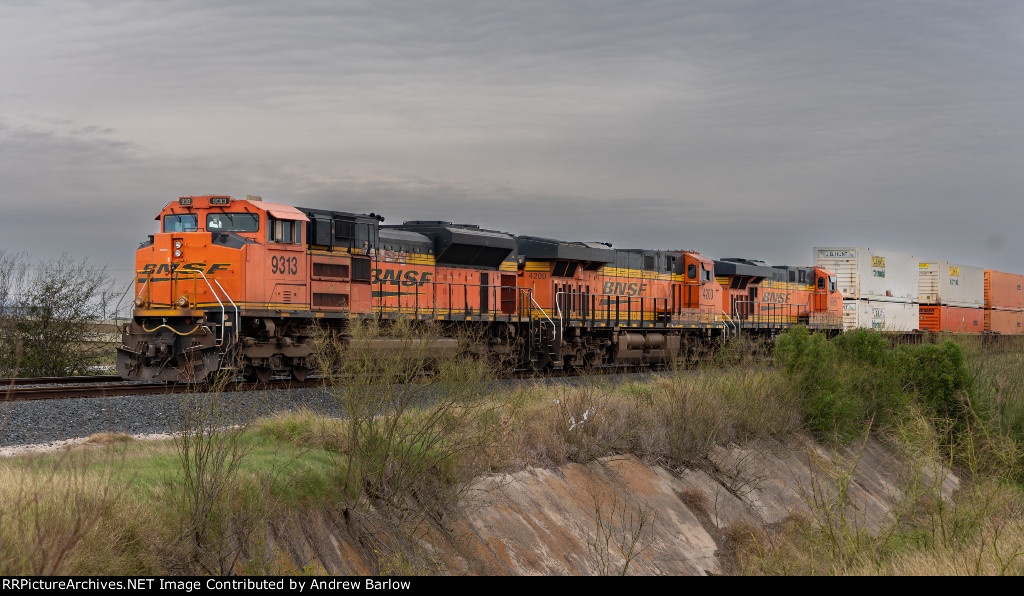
241	284
766	298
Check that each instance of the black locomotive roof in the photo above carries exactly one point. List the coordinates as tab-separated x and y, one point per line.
745	267
756	268
405	241
328	214
533	247
462	244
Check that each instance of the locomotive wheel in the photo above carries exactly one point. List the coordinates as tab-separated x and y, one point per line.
299	373
260	373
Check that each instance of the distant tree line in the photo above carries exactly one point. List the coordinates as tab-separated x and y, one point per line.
46	309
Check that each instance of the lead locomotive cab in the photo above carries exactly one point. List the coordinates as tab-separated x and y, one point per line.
192	289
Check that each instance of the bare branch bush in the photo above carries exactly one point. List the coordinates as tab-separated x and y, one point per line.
705	408
13	268
622	532
46	309
218	511
418	421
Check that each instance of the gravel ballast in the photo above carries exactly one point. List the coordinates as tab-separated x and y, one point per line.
52	420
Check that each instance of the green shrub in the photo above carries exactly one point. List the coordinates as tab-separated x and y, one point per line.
859	378
940	379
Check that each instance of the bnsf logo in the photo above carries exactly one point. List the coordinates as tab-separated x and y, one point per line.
400	278
622	289
776	297
168	268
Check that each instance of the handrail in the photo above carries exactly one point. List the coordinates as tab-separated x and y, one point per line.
544	312
729	321
149	275
561	317
772	316
237	317
223	312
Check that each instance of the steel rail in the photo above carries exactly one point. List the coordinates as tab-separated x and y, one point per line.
82	379
29	393
41	388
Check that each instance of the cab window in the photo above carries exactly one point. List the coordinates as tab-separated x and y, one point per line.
831	283
691	271
705	274
181	223
232	222
284	231
821	283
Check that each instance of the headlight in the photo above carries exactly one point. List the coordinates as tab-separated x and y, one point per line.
177	252
177	244
140	301
183	301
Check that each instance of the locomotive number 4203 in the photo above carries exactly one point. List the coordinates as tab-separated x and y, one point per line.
284	265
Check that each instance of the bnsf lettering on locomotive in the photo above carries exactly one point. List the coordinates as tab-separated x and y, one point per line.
168	268
771	297
624	289
400	278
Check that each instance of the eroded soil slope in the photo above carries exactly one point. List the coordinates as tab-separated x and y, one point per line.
600	517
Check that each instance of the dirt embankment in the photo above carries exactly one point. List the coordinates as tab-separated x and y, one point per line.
599	517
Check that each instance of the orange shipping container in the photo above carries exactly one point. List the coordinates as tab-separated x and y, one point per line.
1004	290
1007	322
952	318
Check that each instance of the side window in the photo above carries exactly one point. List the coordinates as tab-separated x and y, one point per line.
233	222
181	223
705	274
821	283
691	271
284	231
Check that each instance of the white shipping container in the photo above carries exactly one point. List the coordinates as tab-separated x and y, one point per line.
949	284
867	274
883	316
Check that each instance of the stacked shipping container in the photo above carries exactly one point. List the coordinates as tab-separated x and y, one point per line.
880	289
1004	302
952	297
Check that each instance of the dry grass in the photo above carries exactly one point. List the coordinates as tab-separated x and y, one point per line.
672	418
980	533
67	514
305	428
108	438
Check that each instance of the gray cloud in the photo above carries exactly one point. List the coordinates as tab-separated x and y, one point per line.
741	128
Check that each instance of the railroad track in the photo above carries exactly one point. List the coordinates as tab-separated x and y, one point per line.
40	388
80	380
84	387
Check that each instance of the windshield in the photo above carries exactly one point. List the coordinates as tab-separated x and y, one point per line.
181	223
232	222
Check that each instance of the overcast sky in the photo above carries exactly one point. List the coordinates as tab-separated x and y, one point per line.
735	128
